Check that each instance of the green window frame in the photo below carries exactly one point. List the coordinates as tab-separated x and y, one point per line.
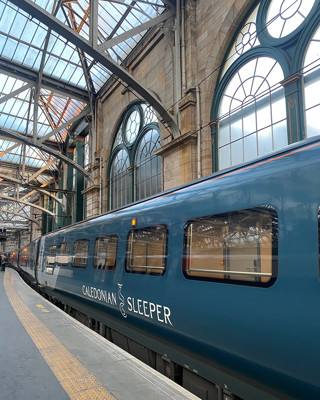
281	31
134	170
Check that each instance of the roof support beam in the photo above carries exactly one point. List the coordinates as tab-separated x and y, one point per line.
16	228
47	149
17	215
6	178
42	15
12	168
58	87
134	31
132	5
12	221
93	26
3	196
83	113
39	172
15	93
9	149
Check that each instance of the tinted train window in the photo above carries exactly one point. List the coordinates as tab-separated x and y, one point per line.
105	252
147	250
80	253
23	257
64	254
239	247
51	259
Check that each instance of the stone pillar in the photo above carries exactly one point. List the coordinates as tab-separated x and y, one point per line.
79	180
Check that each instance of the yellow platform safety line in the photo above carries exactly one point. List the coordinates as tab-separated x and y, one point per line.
75	379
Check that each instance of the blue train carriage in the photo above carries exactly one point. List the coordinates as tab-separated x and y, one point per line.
220	277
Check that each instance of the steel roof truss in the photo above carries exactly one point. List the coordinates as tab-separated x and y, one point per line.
26	203
15	93
47	149
60	88
9	149
20	182
63	126
93	25
38	12
134	31
17	215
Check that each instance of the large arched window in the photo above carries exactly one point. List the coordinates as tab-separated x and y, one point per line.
134	170
252	115
268	94
312	85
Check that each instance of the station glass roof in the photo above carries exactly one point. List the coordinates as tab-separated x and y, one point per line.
46	81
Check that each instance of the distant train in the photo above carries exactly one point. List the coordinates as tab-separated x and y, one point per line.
215	283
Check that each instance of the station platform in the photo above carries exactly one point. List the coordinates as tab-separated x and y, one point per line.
46	354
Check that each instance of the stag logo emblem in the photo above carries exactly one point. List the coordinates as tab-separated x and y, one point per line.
121	298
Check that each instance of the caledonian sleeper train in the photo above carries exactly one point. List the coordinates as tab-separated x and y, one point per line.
215	283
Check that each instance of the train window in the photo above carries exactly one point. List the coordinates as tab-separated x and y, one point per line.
105	252
238	247
64	254
51	259
80	253
23	257
147	250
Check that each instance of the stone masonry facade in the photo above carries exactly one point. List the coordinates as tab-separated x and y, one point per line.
209	27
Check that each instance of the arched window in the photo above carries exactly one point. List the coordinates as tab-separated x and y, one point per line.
120	179
252	114
312	85
259	104
148	165
135	171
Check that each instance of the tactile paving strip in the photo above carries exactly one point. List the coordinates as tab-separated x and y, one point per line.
76	380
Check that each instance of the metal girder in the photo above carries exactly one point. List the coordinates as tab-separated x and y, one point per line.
16	228
58	87
10	221
134	31
15	93
6	178
12	199
93	26
83	113
9	149
17	215
13	167
47	149
167	2
42	15
41	170
134	2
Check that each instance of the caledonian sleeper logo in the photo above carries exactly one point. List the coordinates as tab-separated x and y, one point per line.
130	305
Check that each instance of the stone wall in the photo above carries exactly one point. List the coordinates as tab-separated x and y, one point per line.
209	28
